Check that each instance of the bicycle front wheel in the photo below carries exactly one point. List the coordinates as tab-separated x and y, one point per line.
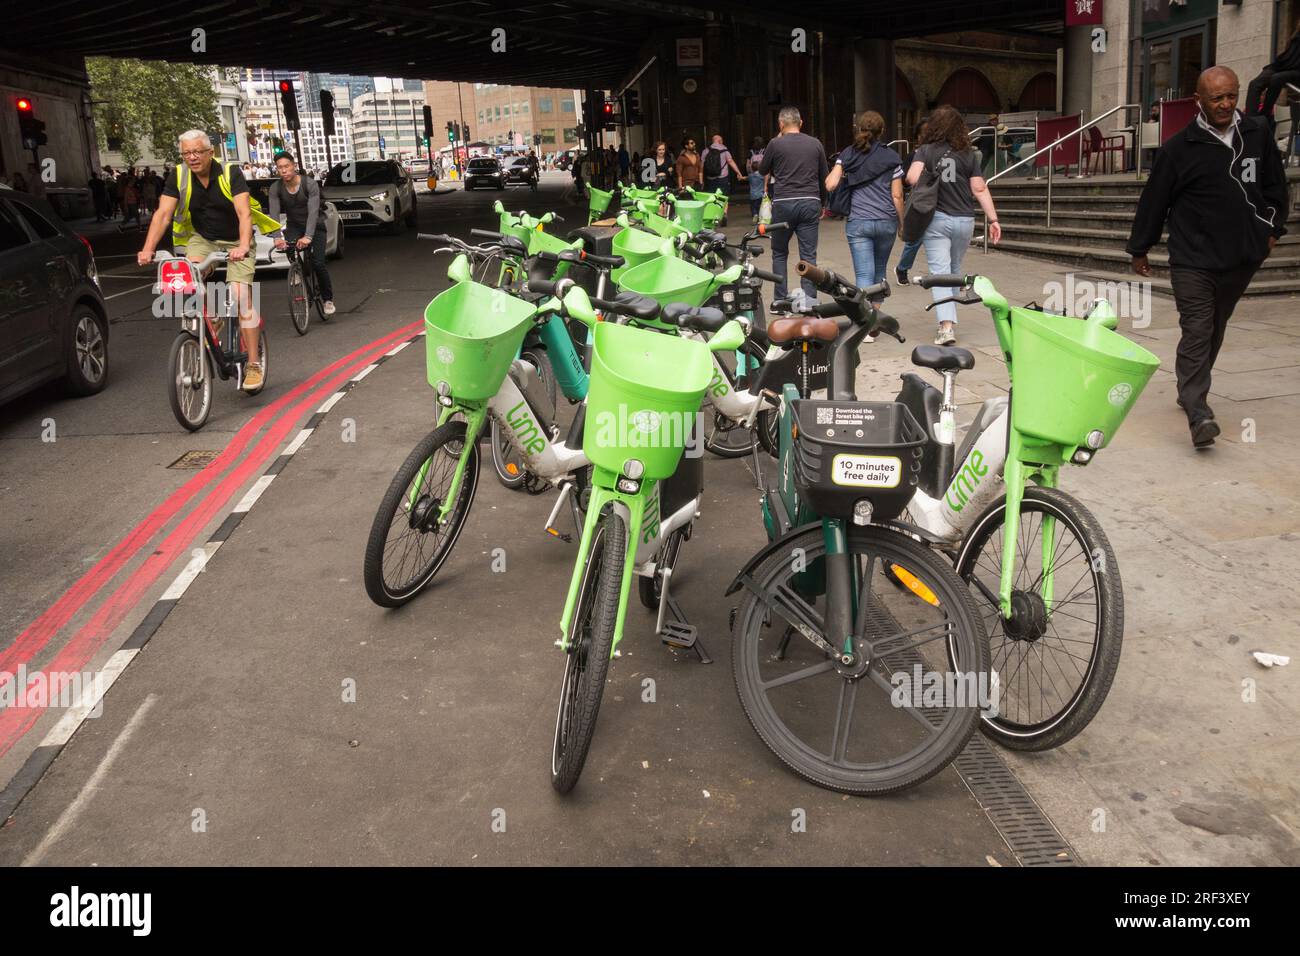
900	710
595	616
299	302
1058	653
190	393
408	540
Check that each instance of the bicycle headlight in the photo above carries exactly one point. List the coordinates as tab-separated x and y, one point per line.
444	394
1096	438
629	486
1081	457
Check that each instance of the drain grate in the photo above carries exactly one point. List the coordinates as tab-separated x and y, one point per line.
194	460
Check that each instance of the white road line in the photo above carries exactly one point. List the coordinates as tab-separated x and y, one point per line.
394	351
147	285
330	402
191	571
298	441
74	810
62	732
254	493
364	372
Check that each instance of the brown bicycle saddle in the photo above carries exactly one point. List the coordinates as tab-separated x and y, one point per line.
798	328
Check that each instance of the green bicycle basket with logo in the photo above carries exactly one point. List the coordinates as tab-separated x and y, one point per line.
473	333
646	388
1072	377
668	279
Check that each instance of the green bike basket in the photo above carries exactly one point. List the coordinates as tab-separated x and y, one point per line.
690	214
646	388
1070	377
635	246
598	203
473	334
669	279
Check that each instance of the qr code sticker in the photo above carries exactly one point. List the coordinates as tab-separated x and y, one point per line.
825	416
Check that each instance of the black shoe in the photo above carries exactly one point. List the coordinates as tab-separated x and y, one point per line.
1204	432
900	275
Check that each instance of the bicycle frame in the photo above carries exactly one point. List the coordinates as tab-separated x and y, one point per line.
192	321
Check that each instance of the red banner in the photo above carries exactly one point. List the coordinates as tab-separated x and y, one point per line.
1050	130
1081	12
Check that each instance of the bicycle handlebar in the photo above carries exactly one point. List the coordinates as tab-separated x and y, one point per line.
945	281
763	274
216	255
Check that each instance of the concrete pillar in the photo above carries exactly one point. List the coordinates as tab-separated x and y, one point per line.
1075	81
873	80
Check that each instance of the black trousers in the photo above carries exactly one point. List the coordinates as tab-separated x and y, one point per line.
1205	300
1268	87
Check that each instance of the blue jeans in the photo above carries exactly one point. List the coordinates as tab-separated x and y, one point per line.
804	217
945	244
908	258
870	241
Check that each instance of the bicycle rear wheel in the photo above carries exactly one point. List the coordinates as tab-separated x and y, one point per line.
408	543
903	709
595	616
299	303
1056	659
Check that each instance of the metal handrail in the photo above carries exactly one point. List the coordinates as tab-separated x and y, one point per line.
906	143
1137	148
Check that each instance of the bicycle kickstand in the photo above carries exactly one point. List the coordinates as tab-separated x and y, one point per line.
678	632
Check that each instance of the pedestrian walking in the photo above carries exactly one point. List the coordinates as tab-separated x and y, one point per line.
948	155
1221	186
130	196
757	181
665	170
908	256
718	167
796	166
866	185
148	192
1264	89
96	187
690	171
624	163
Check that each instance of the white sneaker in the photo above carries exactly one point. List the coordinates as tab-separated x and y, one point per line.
329	308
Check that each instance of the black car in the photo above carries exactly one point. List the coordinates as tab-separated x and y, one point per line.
520	170
484	171
53	320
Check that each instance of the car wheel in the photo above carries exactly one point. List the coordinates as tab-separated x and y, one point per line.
395	227
87	352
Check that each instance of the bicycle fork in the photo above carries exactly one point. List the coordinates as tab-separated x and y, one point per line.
475	415
1015	475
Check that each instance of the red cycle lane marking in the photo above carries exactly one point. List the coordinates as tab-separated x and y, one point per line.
37	634
15	722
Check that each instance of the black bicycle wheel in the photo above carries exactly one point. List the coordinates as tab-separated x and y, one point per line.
650	589
313	291
595	615
299	303
913	709
190	399
407	543
1055	663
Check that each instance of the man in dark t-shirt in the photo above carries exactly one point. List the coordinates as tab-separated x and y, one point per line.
797	165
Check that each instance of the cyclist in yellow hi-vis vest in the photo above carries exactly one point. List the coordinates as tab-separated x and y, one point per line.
208	209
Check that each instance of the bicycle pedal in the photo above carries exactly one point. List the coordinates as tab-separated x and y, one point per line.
562	535
679	635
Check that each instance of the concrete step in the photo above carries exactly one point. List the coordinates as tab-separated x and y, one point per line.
1029	187
1067	234
1278	267
1160	285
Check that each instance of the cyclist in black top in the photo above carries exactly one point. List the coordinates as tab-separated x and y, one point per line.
304	211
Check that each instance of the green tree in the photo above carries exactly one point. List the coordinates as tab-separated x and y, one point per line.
151	100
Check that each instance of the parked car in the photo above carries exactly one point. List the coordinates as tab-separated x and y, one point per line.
372	193
268	257
520	170
484	171
53	320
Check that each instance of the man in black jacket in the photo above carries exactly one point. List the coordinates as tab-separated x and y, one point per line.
1221	185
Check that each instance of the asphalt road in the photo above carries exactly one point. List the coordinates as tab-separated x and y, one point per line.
228	739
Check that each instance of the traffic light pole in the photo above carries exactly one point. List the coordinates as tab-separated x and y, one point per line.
456	152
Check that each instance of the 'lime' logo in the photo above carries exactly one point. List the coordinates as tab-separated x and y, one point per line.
966	481
645	422
1120	394
445	355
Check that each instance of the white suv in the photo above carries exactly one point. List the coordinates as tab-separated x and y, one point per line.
372	193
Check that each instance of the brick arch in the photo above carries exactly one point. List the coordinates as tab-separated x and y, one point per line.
1039	93
968	91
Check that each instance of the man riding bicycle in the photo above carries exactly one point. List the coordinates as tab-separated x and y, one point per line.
215	216
304	219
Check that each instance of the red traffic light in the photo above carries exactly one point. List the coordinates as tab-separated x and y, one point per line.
609	109
285	86
24	105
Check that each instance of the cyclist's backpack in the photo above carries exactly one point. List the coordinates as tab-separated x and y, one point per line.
712	163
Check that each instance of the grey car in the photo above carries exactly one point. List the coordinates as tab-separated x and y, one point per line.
53	320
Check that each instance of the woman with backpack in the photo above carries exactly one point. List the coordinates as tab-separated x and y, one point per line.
866	185
952	177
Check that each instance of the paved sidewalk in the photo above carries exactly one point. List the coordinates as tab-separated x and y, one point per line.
1182	765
